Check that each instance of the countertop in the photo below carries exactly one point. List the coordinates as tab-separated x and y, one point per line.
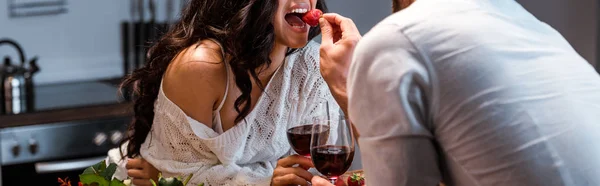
70	114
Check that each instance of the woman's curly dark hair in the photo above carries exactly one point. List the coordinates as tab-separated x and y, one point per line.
239	25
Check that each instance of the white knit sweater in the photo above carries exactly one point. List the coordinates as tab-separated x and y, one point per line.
247	153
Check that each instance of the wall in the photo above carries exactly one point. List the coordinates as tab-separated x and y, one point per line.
79	45
576	20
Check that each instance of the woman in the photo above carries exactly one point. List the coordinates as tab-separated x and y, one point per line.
212	100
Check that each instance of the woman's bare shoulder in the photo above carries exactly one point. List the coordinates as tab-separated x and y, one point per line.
196	79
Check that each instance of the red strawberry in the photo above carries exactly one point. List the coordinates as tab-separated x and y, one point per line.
312	17
356	179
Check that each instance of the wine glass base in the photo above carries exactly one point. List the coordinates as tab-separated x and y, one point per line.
332	180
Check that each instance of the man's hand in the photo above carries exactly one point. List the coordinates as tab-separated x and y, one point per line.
339	38
141	172
287	174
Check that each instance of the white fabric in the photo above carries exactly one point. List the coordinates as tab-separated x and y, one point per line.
474	92
115	156
247	153
217	124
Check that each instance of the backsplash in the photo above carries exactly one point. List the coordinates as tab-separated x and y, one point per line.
82	44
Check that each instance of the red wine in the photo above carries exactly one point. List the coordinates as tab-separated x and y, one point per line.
332	161
299	138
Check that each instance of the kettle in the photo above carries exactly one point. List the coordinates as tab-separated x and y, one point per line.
17	82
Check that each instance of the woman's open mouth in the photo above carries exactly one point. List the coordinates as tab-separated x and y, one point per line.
294	18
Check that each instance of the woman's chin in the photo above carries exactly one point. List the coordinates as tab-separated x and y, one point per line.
297	44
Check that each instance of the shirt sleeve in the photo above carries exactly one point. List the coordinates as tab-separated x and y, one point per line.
388	86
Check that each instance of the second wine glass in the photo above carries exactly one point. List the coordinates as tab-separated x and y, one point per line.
332	152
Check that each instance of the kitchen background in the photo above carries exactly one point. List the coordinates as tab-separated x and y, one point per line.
80	41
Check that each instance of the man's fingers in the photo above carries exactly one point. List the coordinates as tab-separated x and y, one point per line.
293	160
326	33
346	25
289	179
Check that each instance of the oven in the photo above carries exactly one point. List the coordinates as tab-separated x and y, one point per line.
40	154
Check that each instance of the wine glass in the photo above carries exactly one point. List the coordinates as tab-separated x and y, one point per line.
304	112
332	147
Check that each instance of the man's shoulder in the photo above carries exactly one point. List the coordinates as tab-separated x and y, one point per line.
391	30
386	35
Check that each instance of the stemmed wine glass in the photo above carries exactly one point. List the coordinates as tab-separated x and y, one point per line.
332	147
304	112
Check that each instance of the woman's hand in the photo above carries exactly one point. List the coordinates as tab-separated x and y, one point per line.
339	38
286	174
141	172
318	181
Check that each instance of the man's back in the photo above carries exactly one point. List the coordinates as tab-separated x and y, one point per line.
496	96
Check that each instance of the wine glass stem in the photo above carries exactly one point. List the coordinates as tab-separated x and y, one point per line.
332	180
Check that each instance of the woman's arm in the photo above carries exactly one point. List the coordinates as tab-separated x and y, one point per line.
210	174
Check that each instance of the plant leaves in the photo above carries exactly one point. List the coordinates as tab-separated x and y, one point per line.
101	166
88	179
185	182
89	170
96	168
202	184
109	171
173	181
116	182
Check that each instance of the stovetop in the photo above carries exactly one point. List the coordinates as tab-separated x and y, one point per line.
74	95
69	102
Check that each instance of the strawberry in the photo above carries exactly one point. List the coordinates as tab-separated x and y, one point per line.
339	183
64	182
312	17
356	179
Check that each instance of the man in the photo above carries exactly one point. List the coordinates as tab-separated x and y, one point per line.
466	92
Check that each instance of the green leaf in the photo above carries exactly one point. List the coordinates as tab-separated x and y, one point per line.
153	183
88	179
202	184
169	182
100	166
109	171
96	168
185	182
89	170
116	182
